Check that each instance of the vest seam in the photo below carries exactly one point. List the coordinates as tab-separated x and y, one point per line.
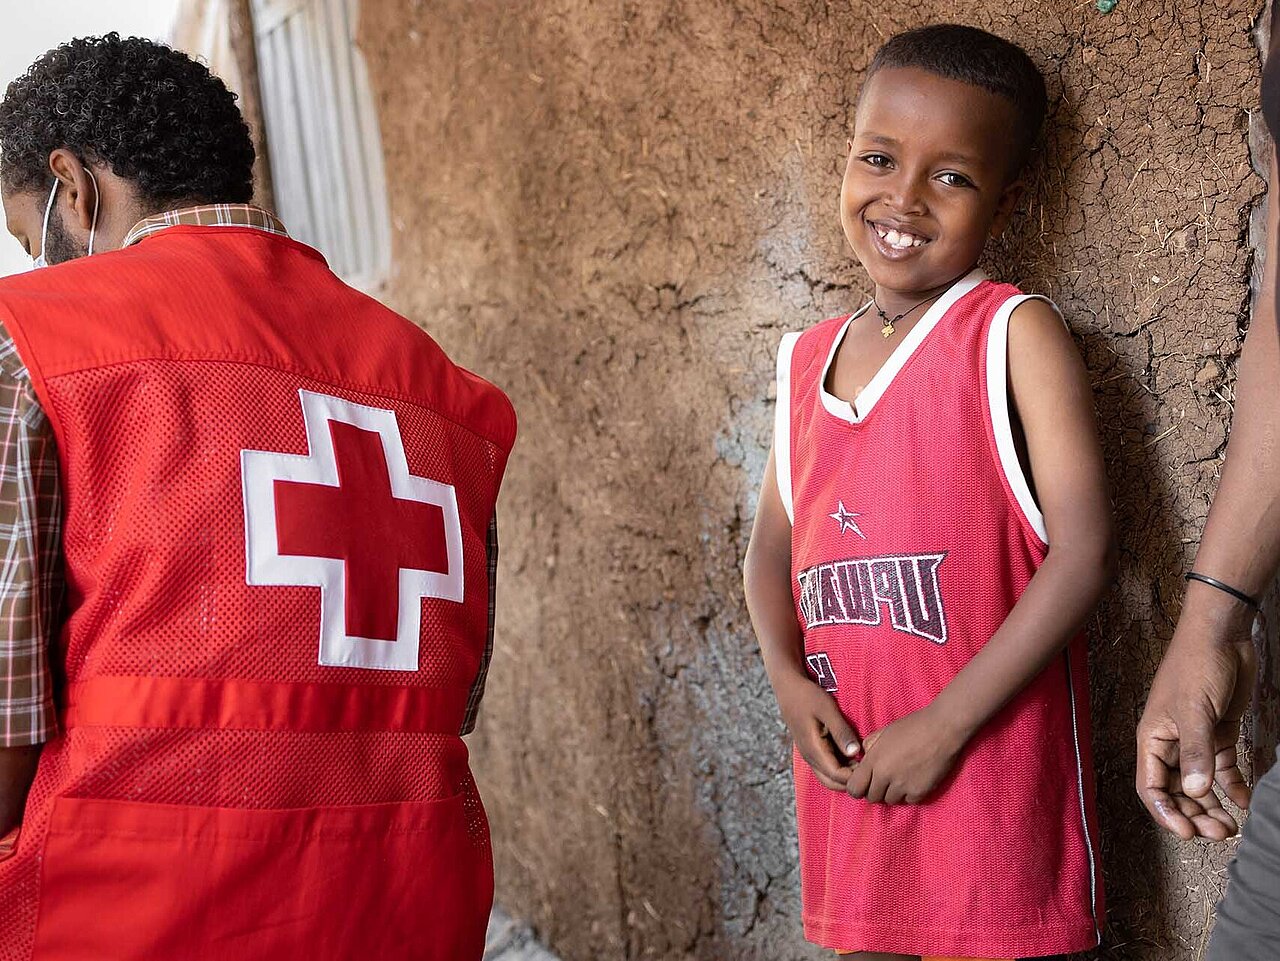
330	381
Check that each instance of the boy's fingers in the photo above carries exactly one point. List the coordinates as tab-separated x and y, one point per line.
821	756
815	764
826	782
878	788
841	730
859	780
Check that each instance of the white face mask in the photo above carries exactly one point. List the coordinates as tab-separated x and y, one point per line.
38	262
41	261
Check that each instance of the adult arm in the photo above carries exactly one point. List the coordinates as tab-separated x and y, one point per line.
1052	399
1188	732
822	734
30	580
17	771
476	694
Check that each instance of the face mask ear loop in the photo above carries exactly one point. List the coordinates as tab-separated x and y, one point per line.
97	197
44	230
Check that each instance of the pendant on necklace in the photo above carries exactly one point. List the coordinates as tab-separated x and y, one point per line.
887	330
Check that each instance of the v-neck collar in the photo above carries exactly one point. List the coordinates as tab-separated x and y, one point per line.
863	404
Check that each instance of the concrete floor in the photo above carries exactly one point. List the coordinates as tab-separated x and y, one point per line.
511	940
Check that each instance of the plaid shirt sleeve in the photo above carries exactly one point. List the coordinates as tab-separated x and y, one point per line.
31	584
477	689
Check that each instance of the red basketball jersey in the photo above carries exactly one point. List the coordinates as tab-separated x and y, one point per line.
914	533
277	499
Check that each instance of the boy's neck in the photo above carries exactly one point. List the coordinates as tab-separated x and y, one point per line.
895	302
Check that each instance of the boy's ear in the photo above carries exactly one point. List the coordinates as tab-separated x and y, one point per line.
1008	203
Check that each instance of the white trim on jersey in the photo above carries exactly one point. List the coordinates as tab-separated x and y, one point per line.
998	402
782	423
857	412
1084	811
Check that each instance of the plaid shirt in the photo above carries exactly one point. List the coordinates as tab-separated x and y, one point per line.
31	569
31	565
209	215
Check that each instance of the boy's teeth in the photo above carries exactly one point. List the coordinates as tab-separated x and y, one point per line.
898	239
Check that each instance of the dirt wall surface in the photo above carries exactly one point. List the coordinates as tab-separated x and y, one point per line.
613	209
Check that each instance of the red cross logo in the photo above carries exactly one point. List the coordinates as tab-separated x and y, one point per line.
349	518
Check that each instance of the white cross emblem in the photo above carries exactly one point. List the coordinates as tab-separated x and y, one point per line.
349	518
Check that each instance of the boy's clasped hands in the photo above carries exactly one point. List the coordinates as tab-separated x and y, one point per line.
901	763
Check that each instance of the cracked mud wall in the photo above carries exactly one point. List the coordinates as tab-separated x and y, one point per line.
613	209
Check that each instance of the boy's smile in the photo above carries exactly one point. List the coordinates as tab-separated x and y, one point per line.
927	182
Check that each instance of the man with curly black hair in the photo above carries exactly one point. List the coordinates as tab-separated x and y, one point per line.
154	128
246	518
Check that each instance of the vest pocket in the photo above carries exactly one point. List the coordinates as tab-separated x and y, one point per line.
124	881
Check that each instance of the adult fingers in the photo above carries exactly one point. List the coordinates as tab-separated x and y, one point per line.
1157	758
1196	754
1163	808
1210	806
1230	779
1211	822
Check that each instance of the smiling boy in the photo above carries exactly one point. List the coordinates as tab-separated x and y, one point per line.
933	531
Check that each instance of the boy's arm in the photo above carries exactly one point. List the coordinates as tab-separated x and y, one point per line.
1052	398
810	713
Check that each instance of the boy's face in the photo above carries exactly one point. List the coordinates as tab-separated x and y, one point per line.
927	180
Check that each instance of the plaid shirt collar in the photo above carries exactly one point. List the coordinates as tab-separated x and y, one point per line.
208	215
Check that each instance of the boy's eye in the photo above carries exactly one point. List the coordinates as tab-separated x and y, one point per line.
877	160
953	179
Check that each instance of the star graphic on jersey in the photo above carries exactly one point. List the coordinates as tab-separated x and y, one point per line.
845	518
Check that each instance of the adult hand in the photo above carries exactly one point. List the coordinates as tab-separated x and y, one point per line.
823	736
1188	732
905	761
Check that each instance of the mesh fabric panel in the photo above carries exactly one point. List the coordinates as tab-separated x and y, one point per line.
175	611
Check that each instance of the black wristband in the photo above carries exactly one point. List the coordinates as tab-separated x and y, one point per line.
1226	588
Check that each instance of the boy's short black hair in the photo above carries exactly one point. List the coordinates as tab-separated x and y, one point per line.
157	117
975	57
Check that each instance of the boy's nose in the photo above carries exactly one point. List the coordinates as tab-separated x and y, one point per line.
906	195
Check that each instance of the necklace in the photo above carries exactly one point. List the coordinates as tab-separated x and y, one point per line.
887	330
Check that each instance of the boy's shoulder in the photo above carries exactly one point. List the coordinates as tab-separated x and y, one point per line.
999	291
815	339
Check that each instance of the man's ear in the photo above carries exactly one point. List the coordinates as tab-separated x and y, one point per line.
1008	203
80	189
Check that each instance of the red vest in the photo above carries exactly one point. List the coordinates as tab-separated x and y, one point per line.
277	498
914	535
